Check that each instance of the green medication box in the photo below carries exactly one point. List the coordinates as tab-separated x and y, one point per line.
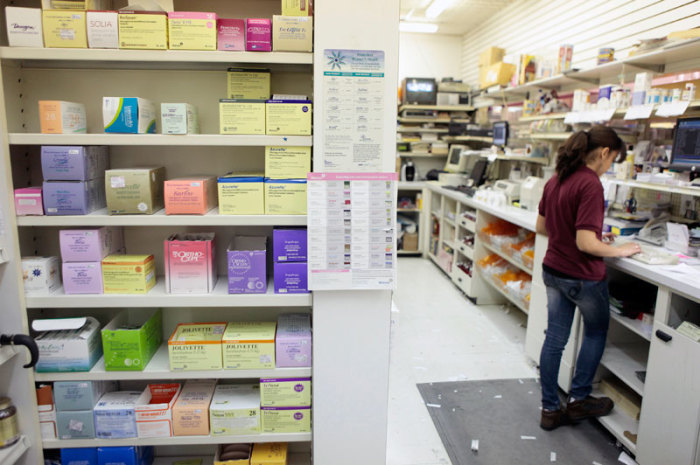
131	339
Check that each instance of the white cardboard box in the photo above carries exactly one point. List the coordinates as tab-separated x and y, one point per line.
24	27
115	415
235	409
103	29
67	344
179	118
41	275
154	418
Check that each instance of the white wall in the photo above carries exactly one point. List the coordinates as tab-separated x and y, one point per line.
429	55
529	26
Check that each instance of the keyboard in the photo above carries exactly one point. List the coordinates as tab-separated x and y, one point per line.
652	256
469	191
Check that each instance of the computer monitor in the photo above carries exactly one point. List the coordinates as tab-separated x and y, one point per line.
685	154
500	133
456	163
421	91
478	174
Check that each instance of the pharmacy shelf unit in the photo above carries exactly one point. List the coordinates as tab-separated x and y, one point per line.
179	440
190	140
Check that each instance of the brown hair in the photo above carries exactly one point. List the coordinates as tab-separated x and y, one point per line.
578	148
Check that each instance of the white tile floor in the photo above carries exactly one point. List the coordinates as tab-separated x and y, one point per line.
439	335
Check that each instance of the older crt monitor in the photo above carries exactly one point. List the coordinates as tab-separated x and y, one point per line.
421	91
686	145
500	133
456	162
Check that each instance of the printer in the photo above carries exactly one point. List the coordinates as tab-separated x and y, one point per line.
510	188
531	192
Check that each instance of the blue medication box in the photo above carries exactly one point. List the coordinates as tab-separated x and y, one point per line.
128	115
85	456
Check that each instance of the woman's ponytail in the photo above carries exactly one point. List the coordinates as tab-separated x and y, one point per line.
574	153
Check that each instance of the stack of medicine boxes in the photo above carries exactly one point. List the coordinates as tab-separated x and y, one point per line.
82	251
75	404
289	248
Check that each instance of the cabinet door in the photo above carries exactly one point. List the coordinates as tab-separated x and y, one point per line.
670	416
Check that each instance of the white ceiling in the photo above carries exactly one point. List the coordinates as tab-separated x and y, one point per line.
459	18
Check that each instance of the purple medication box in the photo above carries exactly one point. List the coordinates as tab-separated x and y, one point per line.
73	197
66	163
293	341
289	245
247	265
258	35
82	278
291	278
28	201
90	245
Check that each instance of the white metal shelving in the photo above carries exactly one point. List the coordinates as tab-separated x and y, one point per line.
437	107
159	368
510	298
194	140
178	440
506	257
624	359
157	297
695	191
294	458
10	455
636	326
617	422
420	155
550	135
425	130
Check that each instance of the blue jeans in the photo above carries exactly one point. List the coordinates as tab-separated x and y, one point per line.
592	300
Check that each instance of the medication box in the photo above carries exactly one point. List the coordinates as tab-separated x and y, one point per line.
297	7
71	163
241	195
289	392
82	278
292	34
103	29
143	30
154	419
285	196
241	116
79	395
287	162
249	345
64	29
41	275
67	344
286	419
192	30
135	190
58	117
29	201
288	117
231	34
289	245
179	118
191	410
86	456
128	115
47	412
128	274
78	424
90	245
190	266
233	454
235	409
258	36
269	453
115	415
131	339
24	27
196	346
293	341
190	196
126	455
73	197
248	83
291	278
247	261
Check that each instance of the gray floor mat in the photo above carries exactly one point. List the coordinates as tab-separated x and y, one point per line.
504	415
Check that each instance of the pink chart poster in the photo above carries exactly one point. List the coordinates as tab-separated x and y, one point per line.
352	230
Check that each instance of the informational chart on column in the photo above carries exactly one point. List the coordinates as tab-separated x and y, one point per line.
352	230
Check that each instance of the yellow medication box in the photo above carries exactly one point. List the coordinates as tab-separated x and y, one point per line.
288	117
143	30
292	34
287	162
297	7
249	345
64	28
192	30
249	83
269	453
235	409
128	274
242	117
285	196
285	392
241	195
286	419
196	346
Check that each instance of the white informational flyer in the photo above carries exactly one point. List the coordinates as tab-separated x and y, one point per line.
353	109
352	231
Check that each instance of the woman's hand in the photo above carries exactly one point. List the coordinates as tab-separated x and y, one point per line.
628	249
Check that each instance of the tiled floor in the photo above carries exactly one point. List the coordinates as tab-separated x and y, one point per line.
439	335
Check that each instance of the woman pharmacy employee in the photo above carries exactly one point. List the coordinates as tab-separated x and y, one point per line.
571	213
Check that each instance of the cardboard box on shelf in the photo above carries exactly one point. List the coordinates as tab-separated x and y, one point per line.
90	245
29	201
286	419
82	278
103	29
241	117
248	83
41	275
179	118
269	453
191	409
190	266
233	454
292	34
287	162
258	37
285	196
64	29
241	194
247	265
499	74
146	30
194	195
289	245
125	455
73	197
189	30
67	344
24	27
288	117
410	242
285	392
297	7
47	411
293	340
231	35
154	419
76	424
59	117
73	163
249	345
134	191
131	339
235	409
490	56
196	346
115	415
128	274
80	395
128	115
80	456
291	278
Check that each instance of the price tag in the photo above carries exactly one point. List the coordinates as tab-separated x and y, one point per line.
672	108
639	112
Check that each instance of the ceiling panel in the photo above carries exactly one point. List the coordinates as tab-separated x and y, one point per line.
459	18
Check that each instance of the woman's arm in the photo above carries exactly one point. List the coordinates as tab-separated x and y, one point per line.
588	242
540	226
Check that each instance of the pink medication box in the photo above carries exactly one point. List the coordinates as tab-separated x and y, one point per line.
82	278
231	35
28	201
189	263
190	196
90	245
258	36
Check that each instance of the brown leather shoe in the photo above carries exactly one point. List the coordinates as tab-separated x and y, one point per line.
552	419
590	407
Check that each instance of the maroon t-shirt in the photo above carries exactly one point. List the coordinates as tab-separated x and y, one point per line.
577	203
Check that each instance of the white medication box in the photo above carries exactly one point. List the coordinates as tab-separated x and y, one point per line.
115	414
103	29
235	409
24	27
67	344
179	118
80	395
154	419
41	275
128	115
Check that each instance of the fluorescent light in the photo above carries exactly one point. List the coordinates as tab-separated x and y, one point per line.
418	27
437	7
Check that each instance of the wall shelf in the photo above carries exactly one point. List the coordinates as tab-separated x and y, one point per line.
10	455
635	326
178	440
624	359
617	422
506	257
551	136
425	130
485	140
191	140
695	191
504	294
419	155
437	107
